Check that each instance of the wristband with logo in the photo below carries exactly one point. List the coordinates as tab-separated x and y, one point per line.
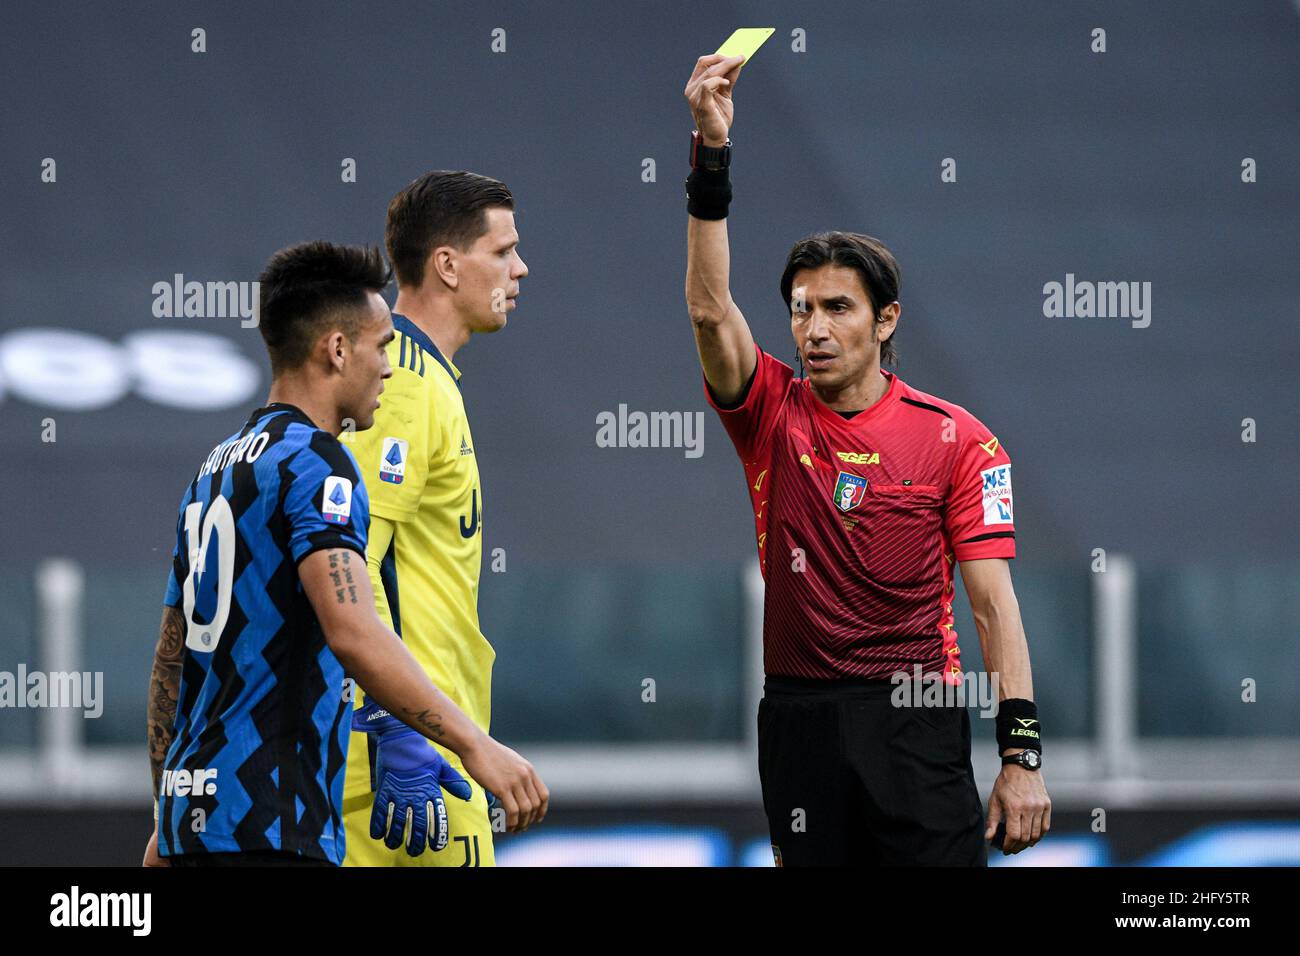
1017	724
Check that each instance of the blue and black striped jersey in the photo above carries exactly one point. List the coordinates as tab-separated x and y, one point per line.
262	726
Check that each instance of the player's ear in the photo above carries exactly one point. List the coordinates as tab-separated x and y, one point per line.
336	349
443	266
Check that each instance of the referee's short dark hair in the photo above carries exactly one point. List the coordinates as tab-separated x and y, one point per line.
441	208
875	264
307	286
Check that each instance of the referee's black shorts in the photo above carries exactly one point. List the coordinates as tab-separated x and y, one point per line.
850	780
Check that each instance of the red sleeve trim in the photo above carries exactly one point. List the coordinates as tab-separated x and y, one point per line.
989	548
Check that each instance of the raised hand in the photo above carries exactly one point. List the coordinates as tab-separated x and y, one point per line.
709	93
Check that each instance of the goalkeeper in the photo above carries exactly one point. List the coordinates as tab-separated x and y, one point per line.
452	241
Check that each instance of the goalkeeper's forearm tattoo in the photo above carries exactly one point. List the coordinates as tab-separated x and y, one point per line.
430	722
164	689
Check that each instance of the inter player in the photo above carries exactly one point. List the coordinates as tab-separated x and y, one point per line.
452	241
268	603
866	491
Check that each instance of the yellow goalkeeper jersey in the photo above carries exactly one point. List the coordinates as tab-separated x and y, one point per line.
418	464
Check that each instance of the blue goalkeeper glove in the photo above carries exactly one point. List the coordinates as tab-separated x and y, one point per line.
410	776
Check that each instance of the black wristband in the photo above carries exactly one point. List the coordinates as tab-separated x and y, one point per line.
1018	726
708	193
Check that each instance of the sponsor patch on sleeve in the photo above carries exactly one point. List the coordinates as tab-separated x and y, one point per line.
997	495
336	500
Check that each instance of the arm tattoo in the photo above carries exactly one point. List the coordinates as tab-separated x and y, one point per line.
430	722
164	689
345	588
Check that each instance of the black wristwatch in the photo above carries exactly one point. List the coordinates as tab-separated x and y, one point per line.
1029	759
709	157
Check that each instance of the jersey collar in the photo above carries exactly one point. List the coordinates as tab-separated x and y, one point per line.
404	325
278	407
829	414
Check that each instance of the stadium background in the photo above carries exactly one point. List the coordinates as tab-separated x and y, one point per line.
624	564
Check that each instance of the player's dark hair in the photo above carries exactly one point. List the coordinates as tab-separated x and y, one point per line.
441	208
305	287
875	264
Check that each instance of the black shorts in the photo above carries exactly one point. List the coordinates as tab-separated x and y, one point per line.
850	780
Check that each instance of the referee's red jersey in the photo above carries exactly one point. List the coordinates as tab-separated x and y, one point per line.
860	522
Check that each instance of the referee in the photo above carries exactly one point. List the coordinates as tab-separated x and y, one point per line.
866	493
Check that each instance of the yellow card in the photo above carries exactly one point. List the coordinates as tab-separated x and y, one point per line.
746	41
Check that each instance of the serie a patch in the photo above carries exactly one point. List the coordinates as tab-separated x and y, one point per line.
997	494
336	500
392	460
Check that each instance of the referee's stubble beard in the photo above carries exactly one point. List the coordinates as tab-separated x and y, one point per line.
838	335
